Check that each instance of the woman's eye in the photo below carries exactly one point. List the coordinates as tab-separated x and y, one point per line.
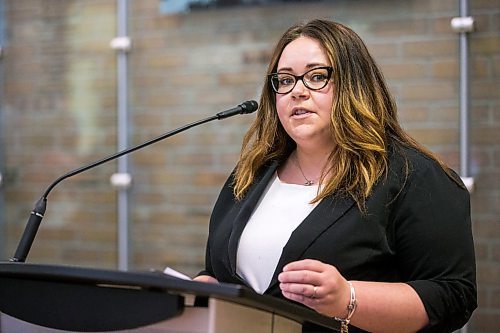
318	77
286	81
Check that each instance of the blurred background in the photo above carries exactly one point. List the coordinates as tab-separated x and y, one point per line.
83	79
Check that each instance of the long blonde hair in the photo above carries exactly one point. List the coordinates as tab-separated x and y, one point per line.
363	118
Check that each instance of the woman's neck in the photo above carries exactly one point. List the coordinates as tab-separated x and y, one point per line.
305	166
311	164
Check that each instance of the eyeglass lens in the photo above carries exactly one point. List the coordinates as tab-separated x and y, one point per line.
314	79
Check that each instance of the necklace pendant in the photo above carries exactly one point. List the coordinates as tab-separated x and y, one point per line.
308	183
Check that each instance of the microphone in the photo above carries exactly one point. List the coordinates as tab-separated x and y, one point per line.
36	216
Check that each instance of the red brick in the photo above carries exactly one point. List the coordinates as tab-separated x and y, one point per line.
445	69
485	135
430	136
485	321
486	228
429	91
484	89
398	27
487	273
430	48
486	44
482	251
404	70
495	299
484	5
414	114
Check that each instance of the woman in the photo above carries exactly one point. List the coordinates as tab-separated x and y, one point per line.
334	206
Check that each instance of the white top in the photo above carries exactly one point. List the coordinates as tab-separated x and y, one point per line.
279	212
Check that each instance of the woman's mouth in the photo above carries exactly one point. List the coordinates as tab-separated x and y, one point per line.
300	112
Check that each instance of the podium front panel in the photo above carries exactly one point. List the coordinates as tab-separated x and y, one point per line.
85	308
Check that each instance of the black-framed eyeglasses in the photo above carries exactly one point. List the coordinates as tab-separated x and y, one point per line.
314	79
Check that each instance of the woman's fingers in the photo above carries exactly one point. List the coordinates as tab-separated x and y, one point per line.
306	290
314	284
306	264
205	278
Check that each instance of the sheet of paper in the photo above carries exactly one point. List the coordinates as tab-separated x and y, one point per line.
173	272
188	298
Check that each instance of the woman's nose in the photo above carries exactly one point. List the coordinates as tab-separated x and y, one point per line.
300	89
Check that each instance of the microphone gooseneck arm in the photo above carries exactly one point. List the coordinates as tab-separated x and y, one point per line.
36	215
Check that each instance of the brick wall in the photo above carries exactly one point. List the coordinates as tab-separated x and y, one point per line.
485	161
59	113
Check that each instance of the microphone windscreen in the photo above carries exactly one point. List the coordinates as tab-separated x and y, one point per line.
249	107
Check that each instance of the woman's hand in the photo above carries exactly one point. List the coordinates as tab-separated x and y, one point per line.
316	285
205	278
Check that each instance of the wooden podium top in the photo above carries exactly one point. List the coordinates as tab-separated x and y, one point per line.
89	299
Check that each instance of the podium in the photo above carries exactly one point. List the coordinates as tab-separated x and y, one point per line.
50	298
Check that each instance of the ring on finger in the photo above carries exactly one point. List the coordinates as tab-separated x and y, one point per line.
315	288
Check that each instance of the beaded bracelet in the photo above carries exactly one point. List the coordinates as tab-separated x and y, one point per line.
344	322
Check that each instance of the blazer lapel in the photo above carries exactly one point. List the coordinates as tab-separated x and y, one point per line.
244	212
327	213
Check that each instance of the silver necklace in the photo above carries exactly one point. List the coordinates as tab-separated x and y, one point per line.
296	162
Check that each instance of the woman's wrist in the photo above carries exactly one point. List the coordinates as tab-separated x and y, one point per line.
351	308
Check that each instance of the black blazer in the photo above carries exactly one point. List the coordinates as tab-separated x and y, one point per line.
416	229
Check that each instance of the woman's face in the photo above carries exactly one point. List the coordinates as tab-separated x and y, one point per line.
305	113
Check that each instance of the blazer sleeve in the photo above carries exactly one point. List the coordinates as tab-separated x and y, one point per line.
221	205
434	245
207	270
